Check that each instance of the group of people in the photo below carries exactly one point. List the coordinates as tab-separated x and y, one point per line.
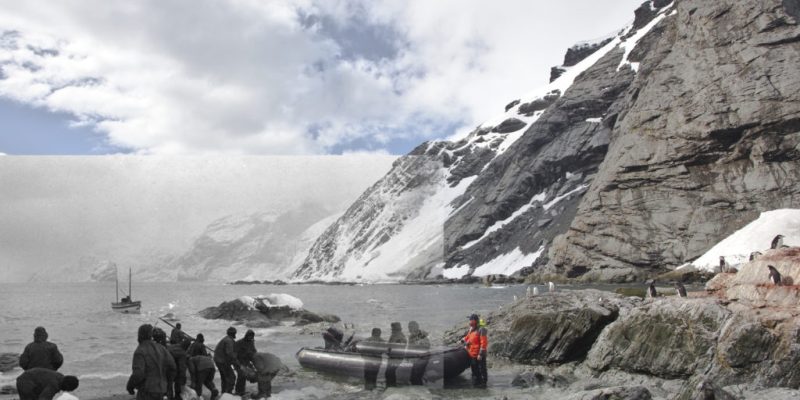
41	380
160	369
417	338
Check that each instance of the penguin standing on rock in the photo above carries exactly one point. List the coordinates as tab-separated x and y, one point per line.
777	242
774	275
723	265
680	289
755	255
651	290
551	287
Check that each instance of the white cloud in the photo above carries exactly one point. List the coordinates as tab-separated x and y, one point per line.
246	76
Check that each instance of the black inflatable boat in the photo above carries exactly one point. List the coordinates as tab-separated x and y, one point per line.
446	363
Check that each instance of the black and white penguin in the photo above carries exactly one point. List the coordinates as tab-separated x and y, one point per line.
755	255
774	275
680	289
777	242
651	290
723	265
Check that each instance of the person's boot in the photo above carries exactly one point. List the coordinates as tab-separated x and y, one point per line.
214	394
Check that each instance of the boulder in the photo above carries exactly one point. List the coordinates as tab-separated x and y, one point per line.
509	125
615	393
265	311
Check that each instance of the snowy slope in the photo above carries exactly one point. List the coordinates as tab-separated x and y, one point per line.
755	236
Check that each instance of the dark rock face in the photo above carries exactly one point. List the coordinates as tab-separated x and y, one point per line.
708	138
551	328
528	109
556	72
509	125
576	54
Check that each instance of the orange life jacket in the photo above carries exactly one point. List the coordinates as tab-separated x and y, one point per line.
476	343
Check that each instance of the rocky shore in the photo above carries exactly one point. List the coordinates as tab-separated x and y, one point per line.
737	340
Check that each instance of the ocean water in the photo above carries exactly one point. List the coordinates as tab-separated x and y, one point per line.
98	344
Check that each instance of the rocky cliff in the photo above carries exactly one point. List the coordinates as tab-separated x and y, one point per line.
644	151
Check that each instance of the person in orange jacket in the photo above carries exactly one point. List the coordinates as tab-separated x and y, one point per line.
476	343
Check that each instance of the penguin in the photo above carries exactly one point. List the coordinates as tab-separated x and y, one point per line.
755	255
515	298
680	289
535	290
723	265
551	287
528	292
774	275
777	242
651	290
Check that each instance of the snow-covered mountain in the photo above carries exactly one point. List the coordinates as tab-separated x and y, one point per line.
261	246
639	155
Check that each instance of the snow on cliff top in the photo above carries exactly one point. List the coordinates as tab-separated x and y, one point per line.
755	236
273	300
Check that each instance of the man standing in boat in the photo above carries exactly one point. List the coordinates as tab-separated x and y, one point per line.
396	337
371	367
41	353
419	339
225	358
476	345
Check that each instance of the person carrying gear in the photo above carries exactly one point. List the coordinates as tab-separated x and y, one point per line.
245	350
476	348
198	347
201	367
418	338
396	337
41	353
177	335
266	366
484	346
178	353
152	367
226	361
43	384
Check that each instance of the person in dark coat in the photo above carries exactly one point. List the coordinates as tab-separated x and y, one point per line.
202	369
177	335
372	366
245	350
198	347
418	338
43	384
226	361
178	352
152	368
41	353
396	337
266	366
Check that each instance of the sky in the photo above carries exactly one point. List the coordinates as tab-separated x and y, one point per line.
277	77
56	210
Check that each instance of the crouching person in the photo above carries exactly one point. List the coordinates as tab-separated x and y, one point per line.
43	384
266	367
202	370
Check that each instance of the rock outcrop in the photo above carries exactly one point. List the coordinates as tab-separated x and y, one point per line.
8	361
260	312
740	338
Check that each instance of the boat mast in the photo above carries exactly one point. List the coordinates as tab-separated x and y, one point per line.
130	294
116	281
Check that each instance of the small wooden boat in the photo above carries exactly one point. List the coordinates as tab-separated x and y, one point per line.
126	305
437	364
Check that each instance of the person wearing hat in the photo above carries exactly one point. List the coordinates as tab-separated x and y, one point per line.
475	344
41	353
226	361
396	337
371	368
245	350
44	383
198	347
152	368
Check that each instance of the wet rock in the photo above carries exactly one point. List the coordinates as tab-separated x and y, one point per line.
664	338
708	390
615	393
8	361
262	315
536	379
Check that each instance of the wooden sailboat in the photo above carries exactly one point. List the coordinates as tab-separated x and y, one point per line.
126	305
